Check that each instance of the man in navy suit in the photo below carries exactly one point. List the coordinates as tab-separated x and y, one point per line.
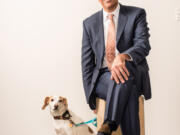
126	78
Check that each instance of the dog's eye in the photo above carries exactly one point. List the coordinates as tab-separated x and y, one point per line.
52	100
60	100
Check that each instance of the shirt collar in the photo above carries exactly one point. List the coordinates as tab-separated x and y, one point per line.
115	12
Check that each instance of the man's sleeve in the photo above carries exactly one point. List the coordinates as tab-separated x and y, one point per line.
131	59
87	61
141	46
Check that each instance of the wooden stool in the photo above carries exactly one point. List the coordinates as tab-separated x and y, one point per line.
101	110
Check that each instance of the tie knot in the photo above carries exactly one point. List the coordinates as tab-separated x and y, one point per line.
110	16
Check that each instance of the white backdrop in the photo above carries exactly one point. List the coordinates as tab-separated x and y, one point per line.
40	51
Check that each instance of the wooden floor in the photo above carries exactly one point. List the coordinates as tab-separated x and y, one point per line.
101	109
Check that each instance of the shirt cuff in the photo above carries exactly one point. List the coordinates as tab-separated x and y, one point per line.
131	59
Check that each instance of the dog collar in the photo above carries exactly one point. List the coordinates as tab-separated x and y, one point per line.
65	116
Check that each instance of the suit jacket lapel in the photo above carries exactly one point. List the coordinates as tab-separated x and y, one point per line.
122	19
101	35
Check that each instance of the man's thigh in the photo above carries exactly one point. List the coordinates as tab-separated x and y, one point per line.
101	88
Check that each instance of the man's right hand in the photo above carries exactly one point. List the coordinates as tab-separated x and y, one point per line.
118	68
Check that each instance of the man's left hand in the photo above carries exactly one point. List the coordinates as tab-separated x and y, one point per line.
118	68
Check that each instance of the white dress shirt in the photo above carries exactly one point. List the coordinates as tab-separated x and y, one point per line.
106	24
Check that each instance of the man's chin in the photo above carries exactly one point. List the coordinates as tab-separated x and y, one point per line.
109	5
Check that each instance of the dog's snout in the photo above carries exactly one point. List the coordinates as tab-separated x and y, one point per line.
55	107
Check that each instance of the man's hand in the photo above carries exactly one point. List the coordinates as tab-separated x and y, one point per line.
118	68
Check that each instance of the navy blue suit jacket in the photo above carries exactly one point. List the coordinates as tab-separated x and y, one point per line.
132	38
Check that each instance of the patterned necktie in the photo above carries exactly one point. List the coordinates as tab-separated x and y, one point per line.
110	42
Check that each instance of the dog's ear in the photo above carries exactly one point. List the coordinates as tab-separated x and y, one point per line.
46	102
64	100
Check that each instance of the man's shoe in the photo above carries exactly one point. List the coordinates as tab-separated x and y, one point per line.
107	128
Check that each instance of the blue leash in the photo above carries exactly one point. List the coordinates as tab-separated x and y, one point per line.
93	121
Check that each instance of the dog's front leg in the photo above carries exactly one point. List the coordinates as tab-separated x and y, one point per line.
61	131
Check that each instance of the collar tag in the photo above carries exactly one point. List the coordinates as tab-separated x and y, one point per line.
70	125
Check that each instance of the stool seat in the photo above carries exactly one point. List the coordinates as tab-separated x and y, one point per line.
101	110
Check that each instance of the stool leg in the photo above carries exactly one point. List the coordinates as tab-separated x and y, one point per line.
141	115
100	111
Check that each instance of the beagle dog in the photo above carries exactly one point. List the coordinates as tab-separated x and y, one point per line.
64	119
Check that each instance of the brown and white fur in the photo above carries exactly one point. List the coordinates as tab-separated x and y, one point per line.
59	105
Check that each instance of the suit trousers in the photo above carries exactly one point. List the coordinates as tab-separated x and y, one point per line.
122	100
